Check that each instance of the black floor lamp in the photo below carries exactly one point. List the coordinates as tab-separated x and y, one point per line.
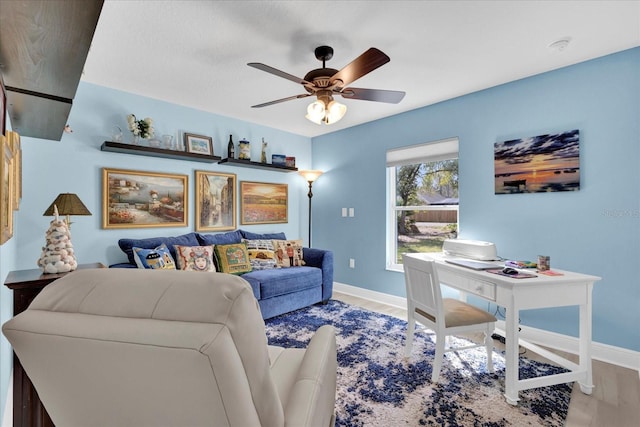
310	176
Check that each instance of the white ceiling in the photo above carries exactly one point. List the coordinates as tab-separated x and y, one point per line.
194	53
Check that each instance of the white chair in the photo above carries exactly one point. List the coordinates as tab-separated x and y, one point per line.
443	316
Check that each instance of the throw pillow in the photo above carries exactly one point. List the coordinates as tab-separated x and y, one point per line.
262	236
288	253
195	258
232	259
127	245
261	254
157	258
220	238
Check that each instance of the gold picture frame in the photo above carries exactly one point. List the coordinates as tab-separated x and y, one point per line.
263	203
198	144
13	139
138	199
215	201
6	190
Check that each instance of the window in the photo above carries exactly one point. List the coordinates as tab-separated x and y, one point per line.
422	183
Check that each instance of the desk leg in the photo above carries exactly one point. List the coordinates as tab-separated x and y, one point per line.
511	355
586	386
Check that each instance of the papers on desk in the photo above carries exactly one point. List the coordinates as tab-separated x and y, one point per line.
473	264
520	275
550	273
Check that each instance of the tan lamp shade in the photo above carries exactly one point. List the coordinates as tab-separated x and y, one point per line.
310	175
68	204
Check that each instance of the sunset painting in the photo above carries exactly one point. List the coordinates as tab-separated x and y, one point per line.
263	203
538	164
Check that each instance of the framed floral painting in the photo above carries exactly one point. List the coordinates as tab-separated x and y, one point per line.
263	203
215	201
136	199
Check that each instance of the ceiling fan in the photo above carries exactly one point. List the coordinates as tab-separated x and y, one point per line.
324	83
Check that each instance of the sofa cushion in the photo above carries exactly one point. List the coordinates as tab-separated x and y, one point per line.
220	238
156	258
195	258
262	254
262	236
282	281
288	253
127	244
232	259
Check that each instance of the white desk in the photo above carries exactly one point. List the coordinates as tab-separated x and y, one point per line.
523	294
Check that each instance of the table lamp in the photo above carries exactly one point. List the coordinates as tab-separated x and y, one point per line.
68	204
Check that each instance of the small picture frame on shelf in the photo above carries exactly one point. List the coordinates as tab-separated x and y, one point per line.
198	144
278	159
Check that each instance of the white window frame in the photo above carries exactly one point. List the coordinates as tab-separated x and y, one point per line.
423	153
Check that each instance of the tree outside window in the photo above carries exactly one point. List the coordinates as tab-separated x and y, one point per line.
426	206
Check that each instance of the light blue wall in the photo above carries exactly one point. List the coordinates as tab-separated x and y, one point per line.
595	230
7	263
75	164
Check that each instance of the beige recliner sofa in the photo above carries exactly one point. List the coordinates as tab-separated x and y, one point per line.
111	347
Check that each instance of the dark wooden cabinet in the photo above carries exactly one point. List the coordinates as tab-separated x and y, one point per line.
26	285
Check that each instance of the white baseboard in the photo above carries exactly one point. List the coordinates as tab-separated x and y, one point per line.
604	352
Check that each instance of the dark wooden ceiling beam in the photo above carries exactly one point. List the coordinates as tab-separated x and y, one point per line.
43	48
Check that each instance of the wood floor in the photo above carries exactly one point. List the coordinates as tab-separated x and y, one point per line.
615	401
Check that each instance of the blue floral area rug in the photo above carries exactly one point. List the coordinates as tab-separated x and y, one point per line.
377	386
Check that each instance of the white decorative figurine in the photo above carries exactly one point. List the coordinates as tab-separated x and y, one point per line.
263	157
57	254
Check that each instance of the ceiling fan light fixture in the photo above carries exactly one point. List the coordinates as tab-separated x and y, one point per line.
316	112
335	111
325	111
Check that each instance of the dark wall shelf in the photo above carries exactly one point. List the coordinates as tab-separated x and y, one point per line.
141	150
119	147
258	165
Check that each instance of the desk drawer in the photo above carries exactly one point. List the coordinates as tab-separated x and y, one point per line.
477	287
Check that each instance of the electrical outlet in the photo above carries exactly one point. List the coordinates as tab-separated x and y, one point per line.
344	212
352	263
352	212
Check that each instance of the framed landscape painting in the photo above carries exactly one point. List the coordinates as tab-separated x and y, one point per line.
6	187
263	203
136	199
538	164
13	138
215	201
198	144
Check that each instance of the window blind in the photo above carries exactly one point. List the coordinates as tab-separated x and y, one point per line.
443	149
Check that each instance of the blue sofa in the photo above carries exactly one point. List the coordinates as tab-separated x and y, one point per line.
279	290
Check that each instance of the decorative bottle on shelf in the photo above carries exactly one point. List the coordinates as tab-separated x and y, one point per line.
231	149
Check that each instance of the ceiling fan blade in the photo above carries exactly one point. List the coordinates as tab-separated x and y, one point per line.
364	64
278	73
378	95
277	101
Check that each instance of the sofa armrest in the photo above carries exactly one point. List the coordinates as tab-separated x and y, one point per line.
323	259
313	396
